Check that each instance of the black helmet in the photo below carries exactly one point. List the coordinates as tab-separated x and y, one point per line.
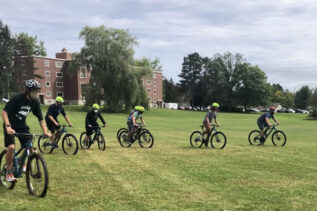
32	84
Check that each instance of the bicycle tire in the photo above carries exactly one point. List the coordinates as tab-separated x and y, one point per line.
70	141
276	136
44	145
122	139
254	137
33	171
146	137
3	172
101	142
215	139
196	139
119	131
83	144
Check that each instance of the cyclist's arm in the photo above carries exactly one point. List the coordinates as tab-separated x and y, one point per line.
216	122
142	120
101	118
67	119
275	120
133	120
43	126
267	121
7	122
53	120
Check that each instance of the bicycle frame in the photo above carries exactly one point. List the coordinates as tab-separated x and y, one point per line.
212	129
266	135
62	131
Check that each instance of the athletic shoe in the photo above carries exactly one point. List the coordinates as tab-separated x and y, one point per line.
24	168
10	177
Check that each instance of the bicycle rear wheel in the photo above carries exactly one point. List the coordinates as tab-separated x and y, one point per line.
36	175
119	131
196	139
254	137
3	172
45	145
146	139
101	142
218	140
124	139
279	138
70	144
84	144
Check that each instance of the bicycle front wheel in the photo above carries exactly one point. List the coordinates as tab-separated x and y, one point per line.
146	139
101	142
196	139
279	138
124	139
254	137
218	140
83	143
45	145
3	172
36	175
70	144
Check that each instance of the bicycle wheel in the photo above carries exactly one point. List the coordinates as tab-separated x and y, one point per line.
146	139
218	140
279	138
101	142
3	172
124	139
70	144
45	145
36	175
119	131
196	139
254	137
84	144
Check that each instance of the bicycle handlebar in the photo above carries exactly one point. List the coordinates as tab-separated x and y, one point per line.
29	135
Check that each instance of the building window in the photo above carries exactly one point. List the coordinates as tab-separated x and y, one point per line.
47	73
154	91
83	74
154	75
60	94
47	63
48	93
82	85
149	82
59	84
154	100
48	84
59	75
149	90
154	83
59	64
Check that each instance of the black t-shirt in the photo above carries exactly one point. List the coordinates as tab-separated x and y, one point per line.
54	111
92	116
19	107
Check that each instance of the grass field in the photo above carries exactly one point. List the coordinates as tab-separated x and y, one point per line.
174	176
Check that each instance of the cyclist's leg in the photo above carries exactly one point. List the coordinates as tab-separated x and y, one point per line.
50	125
208	130
89	132
131	129
261	126
10	144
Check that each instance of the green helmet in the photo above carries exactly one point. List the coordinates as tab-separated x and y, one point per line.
95	106
59	99
136	108
141	108
215	105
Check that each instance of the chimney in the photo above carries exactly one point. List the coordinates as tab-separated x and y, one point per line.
64	55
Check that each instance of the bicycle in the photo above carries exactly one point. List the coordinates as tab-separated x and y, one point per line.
218	140
69	143
143	135
278	137
98	137
36	169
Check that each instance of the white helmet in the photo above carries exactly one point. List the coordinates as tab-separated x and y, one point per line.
32	84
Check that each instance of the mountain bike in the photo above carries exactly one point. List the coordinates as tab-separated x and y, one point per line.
36	169
98	137
218	140
125	129
278	137
69	142
140	134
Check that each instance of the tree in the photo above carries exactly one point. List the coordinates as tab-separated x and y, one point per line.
251	88
115	75
314	98
191	75
170	91
5	59
302	97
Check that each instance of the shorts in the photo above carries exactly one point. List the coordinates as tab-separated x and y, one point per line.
262	125
130	126
89	130
24	141
50	125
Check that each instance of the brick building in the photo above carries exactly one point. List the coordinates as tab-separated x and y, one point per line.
51	73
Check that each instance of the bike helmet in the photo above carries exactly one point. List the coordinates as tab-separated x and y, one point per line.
136	108
32	84
141	108
95	106
59	99
215	105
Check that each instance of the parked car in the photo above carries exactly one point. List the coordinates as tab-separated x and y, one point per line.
251	110
290	110
302	111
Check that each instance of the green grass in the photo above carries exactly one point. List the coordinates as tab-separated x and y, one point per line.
174	176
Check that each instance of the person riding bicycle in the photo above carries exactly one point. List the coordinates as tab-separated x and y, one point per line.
51	116
264	122
91	120
133	116
211	114
14	120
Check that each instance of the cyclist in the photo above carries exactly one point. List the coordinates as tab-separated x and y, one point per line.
133	116
211	114
14	120
263	121
91	120
51	116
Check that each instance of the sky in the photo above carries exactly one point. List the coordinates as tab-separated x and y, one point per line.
280	36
